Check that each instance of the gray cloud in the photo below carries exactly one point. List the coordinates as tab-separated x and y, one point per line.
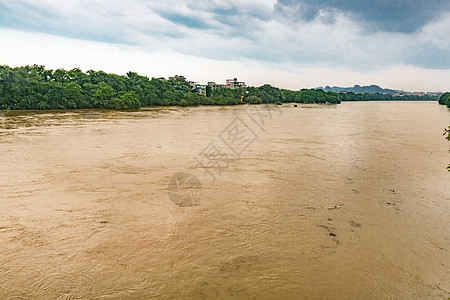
291	33
87	25
404	16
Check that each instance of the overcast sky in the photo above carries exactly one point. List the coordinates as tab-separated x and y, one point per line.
402	44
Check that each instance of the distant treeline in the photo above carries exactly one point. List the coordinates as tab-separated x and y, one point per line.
35	87
270	94
445	99
350	96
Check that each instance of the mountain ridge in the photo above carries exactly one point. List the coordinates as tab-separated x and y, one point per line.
357	89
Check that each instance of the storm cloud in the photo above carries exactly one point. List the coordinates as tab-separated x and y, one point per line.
405	16
292	34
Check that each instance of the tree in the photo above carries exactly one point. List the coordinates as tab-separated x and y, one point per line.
445	99
192	99
60	75
127	100
73	95
209	91
254	100
447	133
184	103
102	96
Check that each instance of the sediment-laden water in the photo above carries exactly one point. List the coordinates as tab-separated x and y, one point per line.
348	201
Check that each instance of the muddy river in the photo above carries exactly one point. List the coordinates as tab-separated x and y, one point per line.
348	201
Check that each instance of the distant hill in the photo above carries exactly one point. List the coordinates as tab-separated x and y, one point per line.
371	89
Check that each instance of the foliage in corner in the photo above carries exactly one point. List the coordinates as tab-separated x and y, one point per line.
447	132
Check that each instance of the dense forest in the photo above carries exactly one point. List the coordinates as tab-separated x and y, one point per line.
270	94
445	99
35	87
350	96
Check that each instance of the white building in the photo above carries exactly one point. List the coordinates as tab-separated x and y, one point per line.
235	84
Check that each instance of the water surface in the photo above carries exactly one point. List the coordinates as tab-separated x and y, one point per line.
318	202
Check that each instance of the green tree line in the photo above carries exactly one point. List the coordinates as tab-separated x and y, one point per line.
383	97
445	99
269	94
35	87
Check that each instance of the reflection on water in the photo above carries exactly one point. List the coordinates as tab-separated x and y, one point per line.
347	201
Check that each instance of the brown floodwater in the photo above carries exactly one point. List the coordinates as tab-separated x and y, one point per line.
348	201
